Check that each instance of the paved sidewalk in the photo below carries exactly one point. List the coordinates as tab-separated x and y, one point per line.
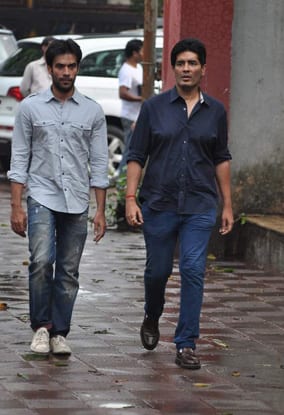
109	373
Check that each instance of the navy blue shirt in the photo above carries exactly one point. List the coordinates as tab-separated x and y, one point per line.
182	152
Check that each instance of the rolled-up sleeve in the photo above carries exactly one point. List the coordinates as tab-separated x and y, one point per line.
21	146
221	152
99	152
141	138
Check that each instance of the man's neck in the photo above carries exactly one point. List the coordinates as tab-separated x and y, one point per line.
62	96
132	62
189	94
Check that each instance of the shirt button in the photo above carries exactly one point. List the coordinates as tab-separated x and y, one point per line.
62	123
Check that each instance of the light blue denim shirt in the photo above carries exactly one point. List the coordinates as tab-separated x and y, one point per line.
60	150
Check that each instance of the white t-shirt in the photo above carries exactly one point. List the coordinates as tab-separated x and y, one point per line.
36	77
131	78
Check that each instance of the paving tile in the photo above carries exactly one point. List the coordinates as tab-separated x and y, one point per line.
109	373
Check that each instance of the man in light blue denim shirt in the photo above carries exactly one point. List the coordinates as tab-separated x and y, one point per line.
59	151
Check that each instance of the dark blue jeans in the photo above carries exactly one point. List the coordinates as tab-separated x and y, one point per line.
162	231
56	242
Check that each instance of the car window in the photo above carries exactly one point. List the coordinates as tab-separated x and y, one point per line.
102	64
15	64
106	63
8	45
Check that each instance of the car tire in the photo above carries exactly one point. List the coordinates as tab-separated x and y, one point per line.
5	163
115	149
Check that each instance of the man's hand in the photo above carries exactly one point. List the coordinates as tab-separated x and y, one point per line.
99	226
19	221
133	213
227	221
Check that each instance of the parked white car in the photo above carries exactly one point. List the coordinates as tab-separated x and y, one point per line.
97	78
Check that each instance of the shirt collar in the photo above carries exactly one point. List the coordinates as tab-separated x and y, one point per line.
49	96
174	96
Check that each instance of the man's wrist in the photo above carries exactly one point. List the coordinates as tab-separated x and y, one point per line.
16	205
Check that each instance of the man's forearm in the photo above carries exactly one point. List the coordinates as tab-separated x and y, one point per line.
100	195
134	171
223	179
16	194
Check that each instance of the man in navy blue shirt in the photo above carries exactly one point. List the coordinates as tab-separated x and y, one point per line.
182	135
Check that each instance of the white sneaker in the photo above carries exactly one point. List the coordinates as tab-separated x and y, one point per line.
59	345
40	342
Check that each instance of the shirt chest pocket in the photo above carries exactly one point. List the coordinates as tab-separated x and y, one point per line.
80	131
44	130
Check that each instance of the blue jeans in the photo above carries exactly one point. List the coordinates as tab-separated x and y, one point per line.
162	231
56	242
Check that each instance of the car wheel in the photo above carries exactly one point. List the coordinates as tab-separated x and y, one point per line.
5	163
115	149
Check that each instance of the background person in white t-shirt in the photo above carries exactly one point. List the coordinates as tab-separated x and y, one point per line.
36	77
130	85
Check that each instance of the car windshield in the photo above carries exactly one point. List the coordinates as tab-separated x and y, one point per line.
7	45
15	64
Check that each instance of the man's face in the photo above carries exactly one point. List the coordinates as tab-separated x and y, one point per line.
63	72
188	70
139	55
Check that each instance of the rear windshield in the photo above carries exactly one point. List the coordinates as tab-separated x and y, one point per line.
15	64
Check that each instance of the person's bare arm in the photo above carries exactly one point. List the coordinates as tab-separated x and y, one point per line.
25	86
124	93
18	215
223	180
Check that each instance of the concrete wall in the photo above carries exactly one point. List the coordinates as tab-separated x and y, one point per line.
257	106
211	22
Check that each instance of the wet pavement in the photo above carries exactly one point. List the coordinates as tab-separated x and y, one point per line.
109	373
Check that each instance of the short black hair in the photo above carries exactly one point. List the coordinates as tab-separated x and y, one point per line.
47	40
191	45
134	45
61	47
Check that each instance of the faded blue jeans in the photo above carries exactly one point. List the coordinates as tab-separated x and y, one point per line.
162	231
56	242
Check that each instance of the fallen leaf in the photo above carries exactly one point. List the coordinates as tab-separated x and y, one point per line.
211	257
236	373
21	375
104	331
116	405
26	262
61	363
219	342
3	306
24	318
201	385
